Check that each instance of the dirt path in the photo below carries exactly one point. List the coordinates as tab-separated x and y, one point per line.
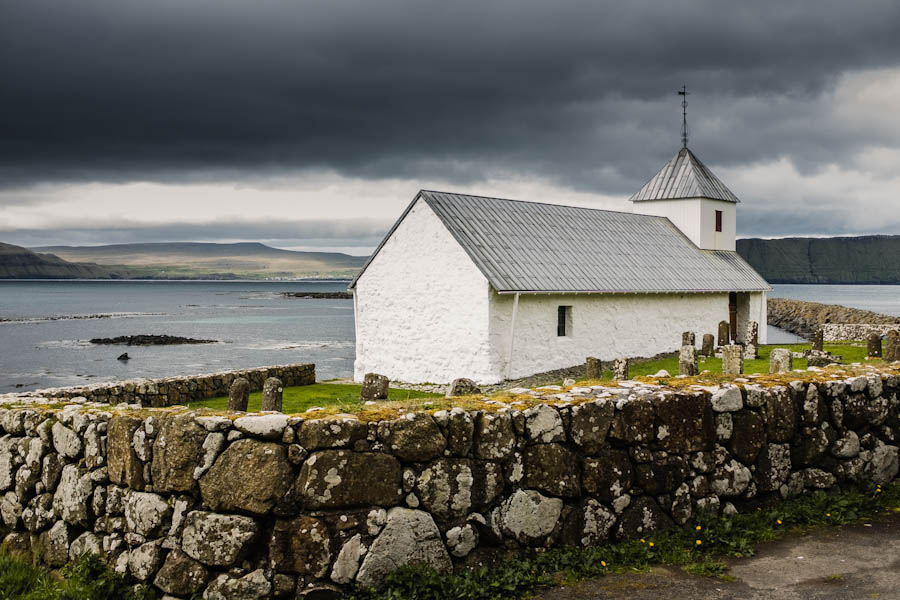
858	561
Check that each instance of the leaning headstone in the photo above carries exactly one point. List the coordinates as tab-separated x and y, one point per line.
463	387
620	369
239	395
781	360
752	345
892	346
374	387
818	342
593	368
709	345
272	394
688	338
873	345
732	359
687	361
724	333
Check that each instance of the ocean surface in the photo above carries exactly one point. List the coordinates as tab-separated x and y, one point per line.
45	327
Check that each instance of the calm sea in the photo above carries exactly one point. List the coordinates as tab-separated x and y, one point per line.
41	345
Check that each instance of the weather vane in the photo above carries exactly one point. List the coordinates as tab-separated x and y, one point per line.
684	130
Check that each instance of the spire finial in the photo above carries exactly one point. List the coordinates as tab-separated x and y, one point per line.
684	128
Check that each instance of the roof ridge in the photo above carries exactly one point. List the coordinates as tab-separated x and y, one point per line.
605	210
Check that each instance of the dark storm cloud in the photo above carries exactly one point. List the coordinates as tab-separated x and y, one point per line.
578	92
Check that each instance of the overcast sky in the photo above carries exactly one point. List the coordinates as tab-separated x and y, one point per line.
312	124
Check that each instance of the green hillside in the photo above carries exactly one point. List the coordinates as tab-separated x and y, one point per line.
873	259
194	260
21	263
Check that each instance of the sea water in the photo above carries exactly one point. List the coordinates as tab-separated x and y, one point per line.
46	327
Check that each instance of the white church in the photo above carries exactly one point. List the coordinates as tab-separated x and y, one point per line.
493	289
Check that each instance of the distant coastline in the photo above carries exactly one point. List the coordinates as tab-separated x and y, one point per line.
863	260
182	261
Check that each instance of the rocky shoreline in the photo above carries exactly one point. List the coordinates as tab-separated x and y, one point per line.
802	318
319	295
150	340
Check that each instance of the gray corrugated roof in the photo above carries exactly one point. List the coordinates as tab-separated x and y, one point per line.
684	177
532	247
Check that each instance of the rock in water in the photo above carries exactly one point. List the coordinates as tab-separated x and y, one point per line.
123	356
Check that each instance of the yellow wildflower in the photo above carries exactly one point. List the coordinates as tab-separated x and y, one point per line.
699	542
779	521
651	544
603	563
699	528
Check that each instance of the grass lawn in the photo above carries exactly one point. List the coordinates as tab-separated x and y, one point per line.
850	351
344	397
298	399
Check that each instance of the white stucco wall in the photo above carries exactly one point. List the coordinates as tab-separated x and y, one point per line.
422	307
607	326
696	218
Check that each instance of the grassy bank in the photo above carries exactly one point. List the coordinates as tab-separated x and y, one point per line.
85	579
698	548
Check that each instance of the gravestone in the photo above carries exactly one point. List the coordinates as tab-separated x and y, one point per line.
709	345
239	395
688	339
687	361
620	369
752	345
892	346
781	360
272	395
820	359
593	368
873	345
732	359
374	387
724	333
818	342
462	387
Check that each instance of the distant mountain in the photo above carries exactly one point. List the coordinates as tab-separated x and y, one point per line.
21	263
213	261
872	259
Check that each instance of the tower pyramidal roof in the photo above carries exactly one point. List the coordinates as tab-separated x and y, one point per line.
685	176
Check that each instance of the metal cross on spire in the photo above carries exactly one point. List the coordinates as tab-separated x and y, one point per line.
684	128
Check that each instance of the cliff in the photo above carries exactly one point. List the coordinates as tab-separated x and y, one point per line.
873	259
21	263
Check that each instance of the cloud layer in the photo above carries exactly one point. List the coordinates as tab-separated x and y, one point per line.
576	96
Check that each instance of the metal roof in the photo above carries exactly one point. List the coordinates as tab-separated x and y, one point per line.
684	177
533	247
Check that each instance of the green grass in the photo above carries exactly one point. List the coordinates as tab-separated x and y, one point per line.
298	399
849	351
85	579
719	537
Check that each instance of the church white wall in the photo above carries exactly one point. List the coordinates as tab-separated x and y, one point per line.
696	218
422	307
607	326
684	214
710	239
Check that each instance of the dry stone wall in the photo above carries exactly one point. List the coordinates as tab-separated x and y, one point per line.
837	332
270	505
170	391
